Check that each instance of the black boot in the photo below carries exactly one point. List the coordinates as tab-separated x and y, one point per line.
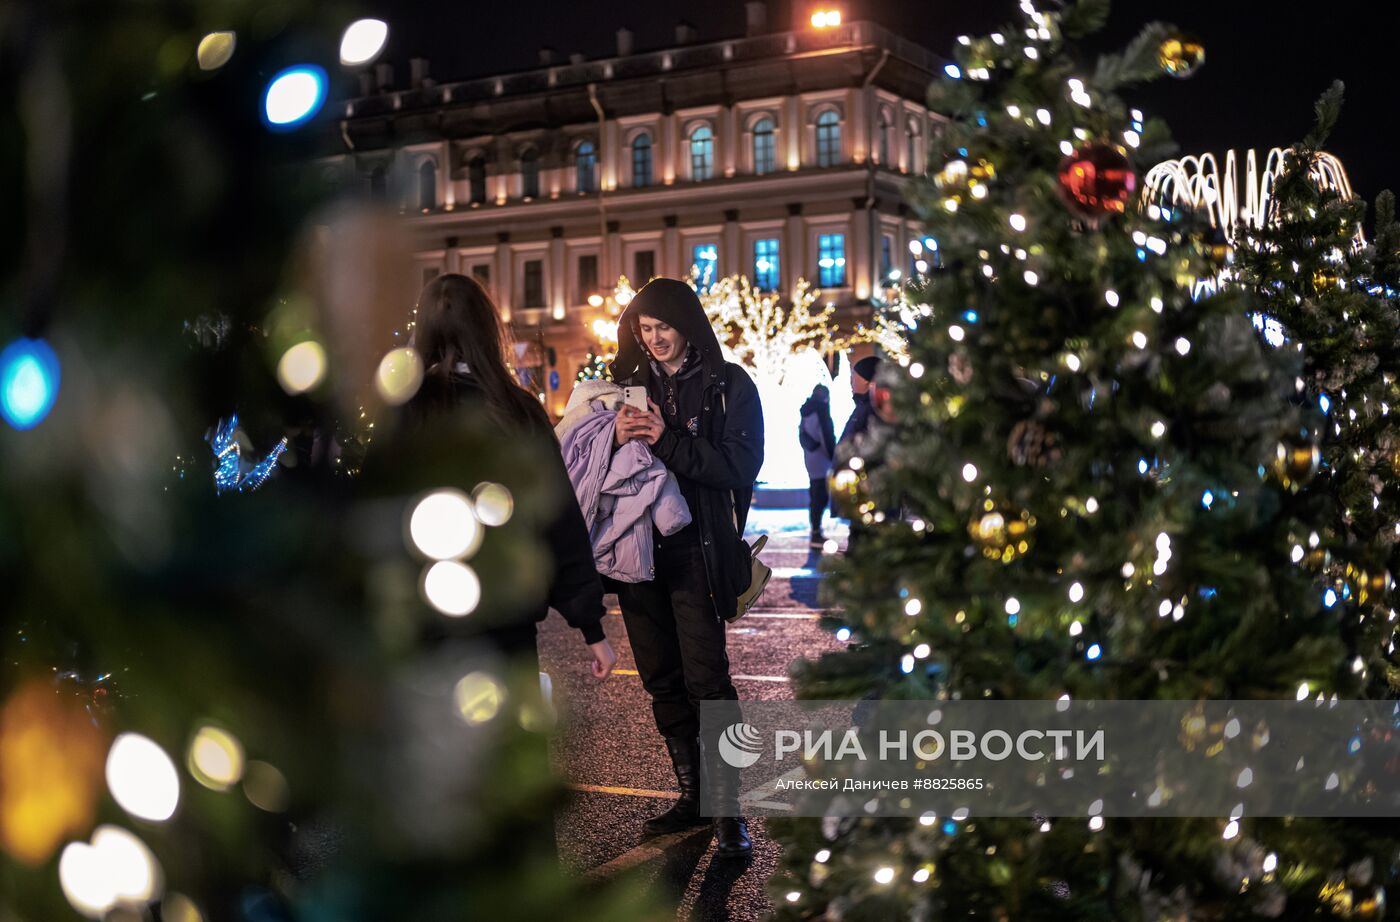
685	812
731	831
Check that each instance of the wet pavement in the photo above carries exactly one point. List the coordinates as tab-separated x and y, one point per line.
613	758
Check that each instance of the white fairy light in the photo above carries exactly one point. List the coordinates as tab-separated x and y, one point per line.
1071	361
1013	606
1031	278
1183	345
913	607
1111	297
956	333
1043	116
969	472
1076	592
1139	339
1066	148
1156	305
1159	428
1017	222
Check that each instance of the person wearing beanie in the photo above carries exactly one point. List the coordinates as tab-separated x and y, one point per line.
705	423
862	375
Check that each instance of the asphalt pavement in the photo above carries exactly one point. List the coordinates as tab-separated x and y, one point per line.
609	752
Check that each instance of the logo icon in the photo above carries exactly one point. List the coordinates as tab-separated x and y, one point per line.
740	745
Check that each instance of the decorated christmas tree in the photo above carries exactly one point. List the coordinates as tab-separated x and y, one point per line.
1309	269
1086	494
240	683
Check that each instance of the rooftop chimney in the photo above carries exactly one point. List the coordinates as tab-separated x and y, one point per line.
384	77
685	33
624	42
755	17
418	73
546	57
366	83
576	58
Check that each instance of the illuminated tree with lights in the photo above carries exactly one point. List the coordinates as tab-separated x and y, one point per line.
1310	272
1085	465
234	686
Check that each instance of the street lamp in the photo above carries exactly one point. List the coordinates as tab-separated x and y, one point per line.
826	19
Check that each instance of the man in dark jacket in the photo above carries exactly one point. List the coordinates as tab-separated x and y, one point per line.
705	423
818	439
862	376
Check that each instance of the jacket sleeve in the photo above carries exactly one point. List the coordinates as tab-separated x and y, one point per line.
828	432
734	462
576	592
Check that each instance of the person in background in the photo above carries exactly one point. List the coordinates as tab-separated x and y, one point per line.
862	375
818	439
463	346
705	423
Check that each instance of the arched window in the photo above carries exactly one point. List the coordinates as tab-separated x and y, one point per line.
586	167
641	160
702	153
427	185
828	138
764	150
530	173
476	179
378	184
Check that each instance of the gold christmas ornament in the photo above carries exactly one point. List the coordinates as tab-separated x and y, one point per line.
958	177
848	492
1000	534
1181	55
1324	279
1295	463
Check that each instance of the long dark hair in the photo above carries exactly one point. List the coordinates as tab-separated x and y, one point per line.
459	324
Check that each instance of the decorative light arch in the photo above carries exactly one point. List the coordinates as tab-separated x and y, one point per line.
1198	183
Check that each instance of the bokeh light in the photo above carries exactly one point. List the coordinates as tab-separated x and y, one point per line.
176	907
142	778
399	376
478	697
215	50
293	96
215	758
362	41
444	526
116	869
29	376
494	504
302	367
452	588
266	787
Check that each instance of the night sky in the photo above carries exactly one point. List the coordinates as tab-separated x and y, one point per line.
1266	61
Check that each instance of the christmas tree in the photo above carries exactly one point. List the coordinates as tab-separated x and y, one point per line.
1308	269
1081	498
240	683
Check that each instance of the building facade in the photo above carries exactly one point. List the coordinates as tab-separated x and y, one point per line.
780	155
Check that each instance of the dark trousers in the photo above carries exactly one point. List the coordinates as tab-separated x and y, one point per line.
677	640
818	495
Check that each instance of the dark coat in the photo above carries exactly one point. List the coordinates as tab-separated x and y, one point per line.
723	458
859	420
818	453
575	590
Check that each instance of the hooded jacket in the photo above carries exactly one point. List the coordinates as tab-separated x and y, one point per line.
821	434
718	461
623	492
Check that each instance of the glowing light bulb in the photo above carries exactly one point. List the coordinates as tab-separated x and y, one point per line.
362	41
142	778
443	525
969	472
452	588
29	378
215	50
294	96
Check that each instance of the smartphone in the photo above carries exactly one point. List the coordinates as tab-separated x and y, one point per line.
635	397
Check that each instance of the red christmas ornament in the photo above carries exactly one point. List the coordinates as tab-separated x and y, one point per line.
1097	180
882	403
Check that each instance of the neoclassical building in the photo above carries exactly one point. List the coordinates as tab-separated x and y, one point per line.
780	155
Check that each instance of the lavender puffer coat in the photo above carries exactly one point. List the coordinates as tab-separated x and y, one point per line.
622	493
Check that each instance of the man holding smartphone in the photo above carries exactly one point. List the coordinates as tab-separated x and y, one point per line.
704	421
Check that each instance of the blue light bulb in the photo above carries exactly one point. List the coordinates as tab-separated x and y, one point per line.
294	96
29	376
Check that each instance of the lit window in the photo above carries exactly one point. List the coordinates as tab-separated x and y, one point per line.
705	258
765	265
702	153
831	260
530	174
828	138
763	146
427	185
585	167
641	160
476	179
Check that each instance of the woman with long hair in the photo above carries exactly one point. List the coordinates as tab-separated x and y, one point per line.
462	342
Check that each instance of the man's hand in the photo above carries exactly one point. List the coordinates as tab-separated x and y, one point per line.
604	659
648	426
626	428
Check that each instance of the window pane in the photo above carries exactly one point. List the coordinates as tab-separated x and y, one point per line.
641	160
534	283
482	273
585	160
587	276
530	174
476	177
828	139
705	259
643	267
831	260
427	185
886	258
763	147
765	265
702	153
